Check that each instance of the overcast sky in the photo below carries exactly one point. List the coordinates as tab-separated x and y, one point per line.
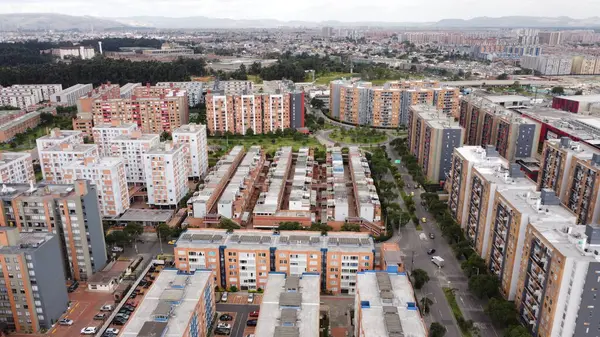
309	10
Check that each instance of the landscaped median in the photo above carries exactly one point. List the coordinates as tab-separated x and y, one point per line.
465	326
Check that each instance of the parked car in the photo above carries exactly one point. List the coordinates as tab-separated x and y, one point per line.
225	317
119	321
122	315
224	297
223	326
423	220
100	317
65	321
116	249
222	332
107	307
90	330
251	322
112	330
430	251
254	313
172	242
73	287
250	298
431	236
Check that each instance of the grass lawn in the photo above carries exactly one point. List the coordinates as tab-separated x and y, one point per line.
359	136
455	309
270	145
255	78
325	79
29	142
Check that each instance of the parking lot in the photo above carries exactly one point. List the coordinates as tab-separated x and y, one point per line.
240	310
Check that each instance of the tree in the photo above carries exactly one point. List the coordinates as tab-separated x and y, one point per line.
484	285
117	238
404	218
579	92
133	230
503	76
289	226
501	312
558	90
226	223
414	60
250	132
350	227
163	231
516	331
255	68
437	330
317	103
420	277
474	265
426	303
165	135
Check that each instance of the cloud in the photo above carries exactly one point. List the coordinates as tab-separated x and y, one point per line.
310	10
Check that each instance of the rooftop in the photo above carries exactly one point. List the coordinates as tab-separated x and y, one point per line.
247	164
216	177
289	240
165	148
19	120
290	306
388	305
507	98
74	148
189	128
268	202
27	241
435	118
9	157
158	215
168	306
582	98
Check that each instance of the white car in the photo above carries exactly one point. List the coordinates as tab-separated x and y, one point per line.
116	249
90	330
224	297
112	330
223	326
106	307
65	321
250	298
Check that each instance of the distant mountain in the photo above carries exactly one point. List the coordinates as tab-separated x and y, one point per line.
46	21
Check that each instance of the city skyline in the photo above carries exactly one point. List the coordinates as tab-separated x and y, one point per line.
312	10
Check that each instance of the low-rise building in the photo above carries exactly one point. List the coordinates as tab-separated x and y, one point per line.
270	199
178	304
290	306
368	206
39	299
385	305
337	198
16	168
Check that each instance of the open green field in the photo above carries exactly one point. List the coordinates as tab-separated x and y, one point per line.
325	79
358	136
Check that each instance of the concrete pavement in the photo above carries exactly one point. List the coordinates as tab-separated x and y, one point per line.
242	311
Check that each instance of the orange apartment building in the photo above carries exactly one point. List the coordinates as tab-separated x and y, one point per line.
245	258
202	202
18	125
84	121
180	304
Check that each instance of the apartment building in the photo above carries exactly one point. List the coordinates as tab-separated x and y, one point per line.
337	196
166	174
54	159
558	285
18	125
385	305
193	136
237	193
576	104
58	137
127	89
82	52
131	148
488	123
69	211
194	90
432	137
177	304
203	201
84	121
246	257
70	95
108	174
234	86
47	89
16	167
571	169
513	210
550	38
290	306
270	198
365	194
583	65
103	134
548	64
301	196
458	183
20	97
152	114
361	103
260	112
8	115
39	298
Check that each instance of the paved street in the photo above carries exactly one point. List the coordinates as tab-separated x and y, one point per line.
451	275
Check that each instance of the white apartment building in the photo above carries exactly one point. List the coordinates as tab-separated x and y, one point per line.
57	137
193	89
104	133
132	148
193	137
235	87
17	100
108	174
127	89
47	89
16	167
54	159
548	65
70	95
84	53
166	174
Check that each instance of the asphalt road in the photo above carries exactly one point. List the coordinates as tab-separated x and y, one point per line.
451	275
242	310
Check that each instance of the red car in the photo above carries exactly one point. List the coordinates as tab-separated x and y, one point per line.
254	314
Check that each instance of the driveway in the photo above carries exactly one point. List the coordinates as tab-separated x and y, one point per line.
241	316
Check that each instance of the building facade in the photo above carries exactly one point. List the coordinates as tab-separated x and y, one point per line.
70	95
103	134
131	148
53	160
16	168
193	137
166	174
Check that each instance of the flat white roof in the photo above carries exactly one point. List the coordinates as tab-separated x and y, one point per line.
246	165
216	176
388	305
170	286
268	203
507	98
290	306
